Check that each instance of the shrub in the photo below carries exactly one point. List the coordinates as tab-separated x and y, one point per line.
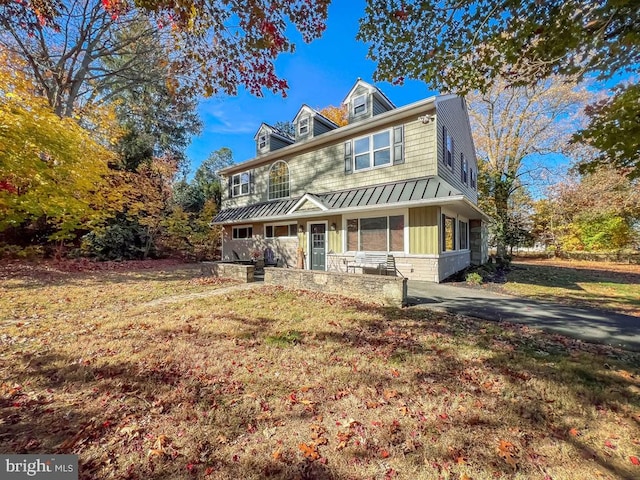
474	278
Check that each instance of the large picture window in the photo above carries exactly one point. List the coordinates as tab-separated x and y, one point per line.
279	180
376	234
240	184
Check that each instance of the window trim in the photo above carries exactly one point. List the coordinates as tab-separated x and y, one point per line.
304	123
371	150
248	227
262	142
357	104
443	232
466	237
288	181
387	213
240	184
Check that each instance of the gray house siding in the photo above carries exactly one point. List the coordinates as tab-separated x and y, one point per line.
277	143
452	115
378	107
319	127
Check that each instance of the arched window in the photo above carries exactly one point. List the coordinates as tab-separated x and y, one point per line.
279	180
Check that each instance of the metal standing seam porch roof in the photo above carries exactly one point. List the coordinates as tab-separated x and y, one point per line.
372	196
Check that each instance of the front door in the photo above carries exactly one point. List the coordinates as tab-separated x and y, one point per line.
318	249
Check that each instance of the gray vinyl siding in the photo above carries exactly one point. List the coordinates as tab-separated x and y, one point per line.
276	143
322	170
320	127
452	115
378	107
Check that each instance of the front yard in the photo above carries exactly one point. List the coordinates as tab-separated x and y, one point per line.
159	373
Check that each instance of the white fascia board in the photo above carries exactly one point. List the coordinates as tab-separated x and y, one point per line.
308	198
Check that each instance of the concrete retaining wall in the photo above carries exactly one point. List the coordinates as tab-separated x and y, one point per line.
391	291
243	273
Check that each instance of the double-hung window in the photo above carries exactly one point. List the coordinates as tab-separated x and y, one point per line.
240	184
262	142
303	126
359	104
463	233
472	175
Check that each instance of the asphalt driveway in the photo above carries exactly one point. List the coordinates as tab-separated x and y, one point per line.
583	323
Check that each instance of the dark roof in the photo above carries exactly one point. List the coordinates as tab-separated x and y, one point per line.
385	194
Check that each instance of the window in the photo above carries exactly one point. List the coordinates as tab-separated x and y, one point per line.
279	180
303	126
377	234
472	176
262	142
373	150
447	141
240	184
245	231
448	233
276	231
463	232
463	169
359	104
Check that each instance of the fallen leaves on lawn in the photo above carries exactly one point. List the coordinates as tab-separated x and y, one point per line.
509	453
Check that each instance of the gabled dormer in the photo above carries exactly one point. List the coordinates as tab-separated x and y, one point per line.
310	123
365	101
269	138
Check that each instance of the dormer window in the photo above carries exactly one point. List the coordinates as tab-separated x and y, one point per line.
262	142
303	127
359	104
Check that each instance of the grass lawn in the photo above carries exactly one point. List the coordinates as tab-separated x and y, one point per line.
602	285
157	373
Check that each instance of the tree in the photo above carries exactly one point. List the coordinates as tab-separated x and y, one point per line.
338	115
614	129
597	211
511	126
465	45
232	44
51	169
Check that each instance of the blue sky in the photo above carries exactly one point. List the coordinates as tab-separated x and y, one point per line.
319	74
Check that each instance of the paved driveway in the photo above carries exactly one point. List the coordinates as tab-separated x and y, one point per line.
586	324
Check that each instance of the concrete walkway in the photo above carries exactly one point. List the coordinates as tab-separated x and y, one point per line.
583	323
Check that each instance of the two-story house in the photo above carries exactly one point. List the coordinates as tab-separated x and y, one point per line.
400	180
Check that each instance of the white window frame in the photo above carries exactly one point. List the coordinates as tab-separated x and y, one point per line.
236	187
291	233
473	178
288	181
371	151
236	228
464	221
303	126
385	213
360	102
262	142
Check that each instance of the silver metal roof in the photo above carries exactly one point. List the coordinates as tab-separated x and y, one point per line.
376	195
